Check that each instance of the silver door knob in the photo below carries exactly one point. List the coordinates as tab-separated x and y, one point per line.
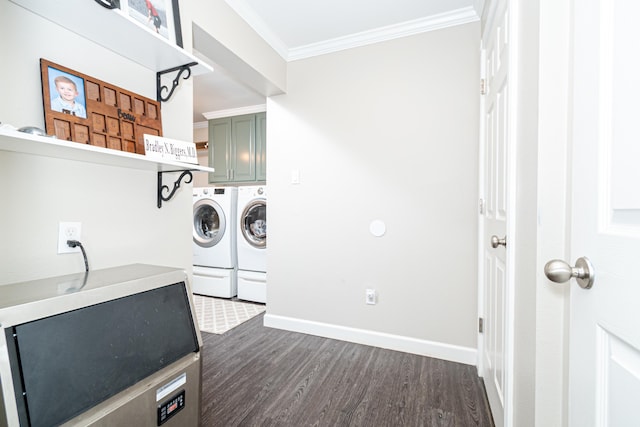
559	271
496	241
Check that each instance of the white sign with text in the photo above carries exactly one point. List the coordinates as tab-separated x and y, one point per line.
160	148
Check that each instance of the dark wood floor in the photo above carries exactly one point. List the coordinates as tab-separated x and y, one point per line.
257	376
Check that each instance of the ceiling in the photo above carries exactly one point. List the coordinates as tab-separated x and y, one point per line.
297	29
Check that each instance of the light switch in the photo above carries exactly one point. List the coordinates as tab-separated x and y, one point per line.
295	176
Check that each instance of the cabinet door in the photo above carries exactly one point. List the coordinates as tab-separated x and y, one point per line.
220	150
261	147
243	137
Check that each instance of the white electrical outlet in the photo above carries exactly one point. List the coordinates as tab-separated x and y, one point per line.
68	231
370	296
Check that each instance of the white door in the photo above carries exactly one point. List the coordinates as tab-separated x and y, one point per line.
494	261
604	341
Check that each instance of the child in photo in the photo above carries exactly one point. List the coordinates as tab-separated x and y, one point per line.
153	15
66	100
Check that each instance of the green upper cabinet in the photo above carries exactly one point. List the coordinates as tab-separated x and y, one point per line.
243	144
237	149
220	149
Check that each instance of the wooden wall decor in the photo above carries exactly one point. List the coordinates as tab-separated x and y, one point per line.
86	110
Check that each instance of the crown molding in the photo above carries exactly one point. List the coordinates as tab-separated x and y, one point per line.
435	22
431	23
231	112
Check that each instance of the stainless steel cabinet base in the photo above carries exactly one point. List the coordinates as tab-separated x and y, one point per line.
138	406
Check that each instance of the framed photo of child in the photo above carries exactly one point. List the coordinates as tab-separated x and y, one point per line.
67	93
159	16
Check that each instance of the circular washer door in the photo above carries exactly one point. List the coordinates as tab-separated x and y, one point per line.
209	223
254	223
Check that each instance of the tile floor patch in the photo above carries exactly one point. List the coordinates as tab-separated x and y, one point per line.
217	316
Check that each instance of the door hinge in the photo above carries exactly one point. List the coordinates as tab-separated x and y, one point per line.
481	206
483	87
480	324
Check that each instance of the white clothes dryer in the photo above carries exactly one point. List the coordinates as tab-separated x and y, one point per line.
214	241
252	243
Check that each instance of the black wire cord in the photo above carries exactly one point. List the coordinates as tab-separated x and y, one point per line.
73	244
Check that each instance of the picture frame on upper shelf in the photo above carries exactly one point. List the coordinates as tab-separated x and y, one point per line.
160	16
65	91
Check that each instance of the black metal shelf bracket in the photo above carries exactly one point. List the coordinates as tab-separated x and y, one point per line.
176	185
186	68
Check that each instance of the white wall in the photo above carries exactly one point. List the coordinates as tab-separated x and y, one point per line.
116	206
386	131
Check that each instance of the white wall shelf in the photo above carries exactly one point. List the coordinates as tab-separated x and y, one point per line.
115	31
20	142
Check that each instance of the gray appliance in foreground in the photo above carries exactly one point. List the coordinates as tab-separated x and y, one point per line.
114	347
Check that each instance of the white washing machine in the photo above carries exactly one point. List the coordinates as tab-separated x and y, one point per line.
252	243
214	241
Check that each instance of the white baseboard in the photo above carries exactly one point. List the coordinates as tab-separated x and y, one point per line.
438	350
